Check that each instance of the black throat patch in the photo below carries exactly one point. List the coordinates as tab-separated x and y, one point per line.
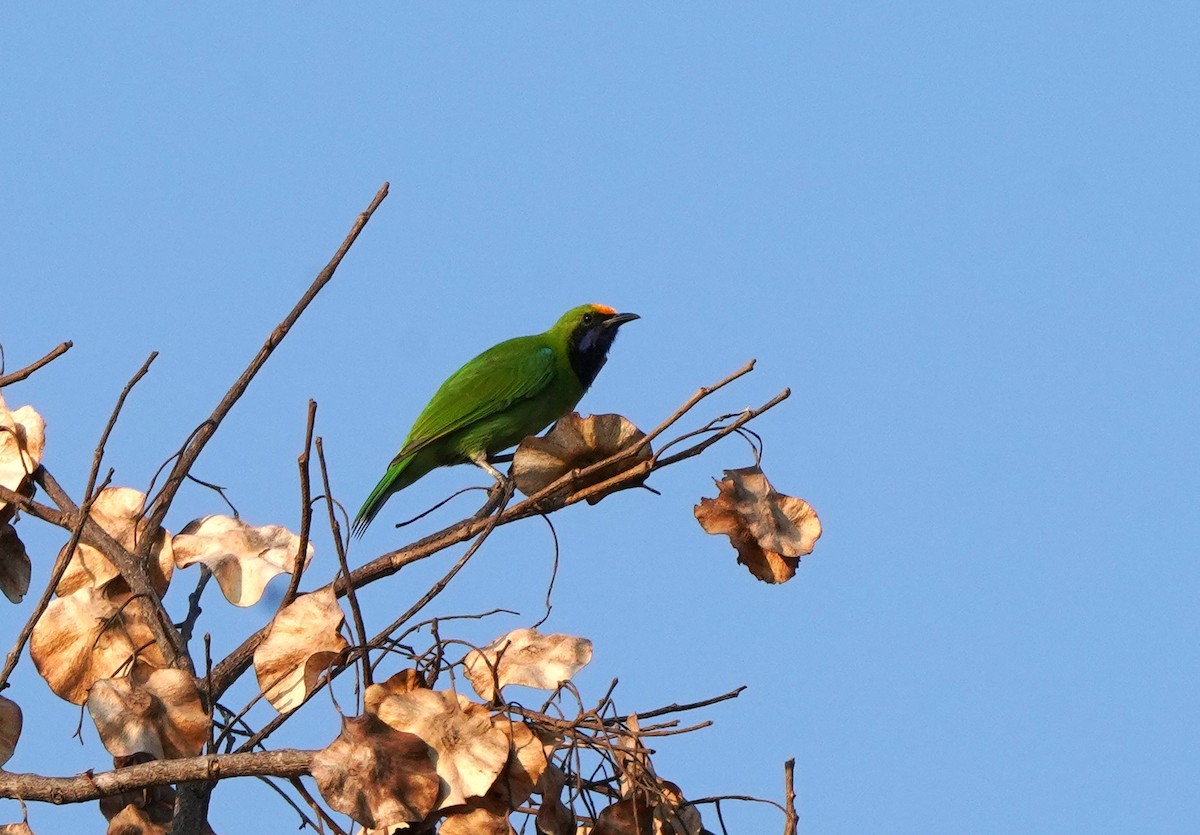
588	350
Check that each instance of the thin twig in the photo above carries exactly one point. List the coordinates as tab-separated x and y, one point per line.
789	788
205	431
360	631
553	571
559	494
305	506
20	374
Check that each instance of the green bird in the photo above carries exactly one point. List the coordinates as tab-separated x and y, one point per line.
507	393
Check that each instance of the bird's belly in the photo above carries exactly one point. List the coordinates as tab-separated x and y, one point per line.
508	428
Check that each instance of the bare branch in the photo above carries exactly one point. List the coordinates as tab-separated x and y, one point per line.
793	821
285	762
20	374
305	506
555	496
201	435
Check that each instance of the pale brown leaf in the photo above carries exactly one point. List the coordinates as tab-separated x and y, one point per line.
153	806
155	712
770	531
22	440
86	636
21	828
14	564
377	775
243	558
10	728
528	756
118	511
139	820
301	642
471	752
575	443
401	682
479	817
553	817
526	657
626	817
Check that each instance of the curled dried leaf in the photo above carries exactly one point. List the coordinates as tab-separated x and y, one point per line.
134	819
526	657
401	682
87	636
575	443
471	751
14	564
377	775
10	728
528	756
553	817
631	816
22	440
118	511
302	640
21	828
770	531
140	810
242	557
155	712
479	817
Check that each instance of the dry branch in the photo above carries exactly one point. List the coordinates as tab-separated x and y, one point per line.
22	373
285	762
202	433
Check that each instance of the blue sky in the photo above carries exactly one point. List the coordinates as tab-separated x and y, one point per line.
964	235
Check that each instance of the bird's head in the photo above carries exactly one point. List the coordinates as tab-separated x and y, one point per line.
589	331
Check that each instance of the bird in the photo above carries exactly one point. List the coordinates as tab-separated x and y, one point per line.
511	391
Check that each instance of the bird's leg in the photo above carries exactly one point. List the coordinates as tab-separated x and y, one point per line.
499	493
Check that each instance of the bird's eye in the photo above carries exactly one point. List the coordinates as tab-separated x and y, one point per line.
588	318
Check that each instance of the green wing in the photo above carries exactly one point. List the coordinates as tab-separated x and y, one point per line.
502	375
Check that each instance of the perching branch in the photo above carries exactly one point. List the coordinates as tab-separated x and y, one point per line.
570	489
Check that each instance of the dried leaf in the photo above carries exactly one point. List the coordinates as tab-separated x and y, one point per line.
575	443
152	806
138	820
377	775
626	817
156	712
401	682
526	657
87	636
471	752
553	817
675	815
21	828
10	728
14	564
242	557
302	640
770	531
22	440
118	511
479	817
633	760
528	756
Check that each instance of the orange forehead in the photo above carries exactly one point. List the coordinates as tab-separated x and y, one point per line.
604	310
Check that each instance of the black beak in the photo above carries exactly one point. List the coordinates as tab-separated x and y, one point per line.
620	319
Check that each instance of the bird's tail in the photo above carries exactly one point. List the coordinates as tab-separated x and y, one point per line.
391	482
